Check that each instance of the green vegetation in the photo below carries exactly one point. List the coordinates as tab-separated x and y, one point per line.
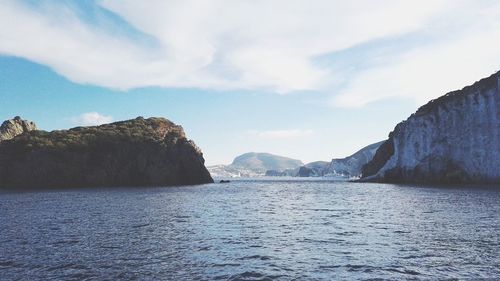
138	130
138	152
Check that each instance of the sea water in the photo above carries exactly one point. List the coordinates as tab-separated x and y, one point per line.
252	230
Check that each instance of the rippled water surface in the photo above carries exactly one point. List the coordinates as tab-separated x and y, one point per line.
251	230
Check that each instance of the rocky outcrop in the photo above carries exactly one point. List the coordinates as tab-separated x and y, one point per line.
340	168
452	139
139	152
305	172
14	127
313	169
351	166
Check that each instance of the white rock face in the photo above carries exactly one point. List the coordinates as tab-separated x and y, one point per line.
452	139
14	127
350	167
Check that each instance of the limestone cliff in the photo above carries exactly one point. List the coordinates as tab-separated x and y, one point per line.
341	168
14	127
351	166
453	139
139	152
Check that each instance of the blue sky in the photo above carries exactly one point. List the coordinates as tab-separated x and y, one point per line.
309	80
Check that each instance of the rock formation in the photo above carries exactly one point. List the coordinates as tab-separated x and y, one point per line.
305	172
139	152
14	127
313	169
452	139
351	166
342	168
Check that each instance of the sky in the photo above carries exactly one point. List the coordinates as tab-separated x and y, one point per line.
311	80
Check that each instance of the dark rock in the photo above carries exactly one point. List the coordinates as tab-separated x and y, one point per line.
139	152
305	172
319	168
384	152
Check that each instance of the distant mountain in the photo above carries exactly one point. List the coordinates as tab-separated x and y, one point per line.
347	167
262	162
255	164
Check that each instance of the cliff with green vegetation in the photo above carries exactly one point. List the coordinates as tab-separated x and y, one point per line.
138	152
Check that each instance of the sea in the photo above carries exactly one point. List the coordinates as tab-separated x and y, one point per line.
252	229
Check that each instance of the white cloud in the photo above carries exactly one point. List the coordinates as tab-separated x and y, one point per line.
91	119
209	44
263	44
457	59
280	134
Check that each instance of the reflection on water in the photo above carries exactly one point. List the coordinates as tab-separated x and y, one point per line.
251	230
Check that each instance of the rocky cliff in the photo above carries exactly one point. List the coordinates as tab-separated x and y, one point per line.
14	127
313	169
453	139
139	152
352	165
341	168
